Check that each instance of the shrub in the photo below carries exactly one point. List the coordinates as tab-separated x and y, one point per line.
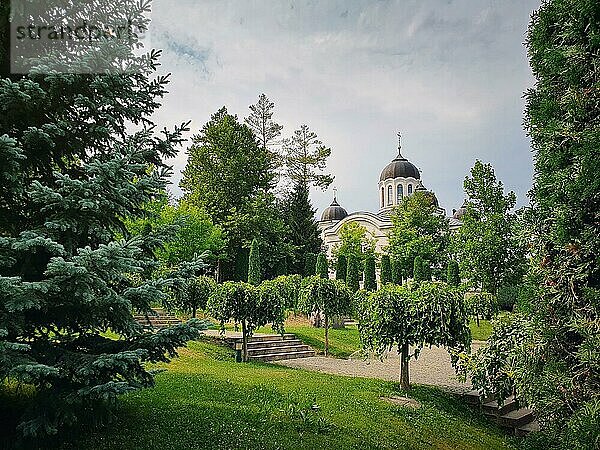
370	277
341	268
322	266
386	270
352	279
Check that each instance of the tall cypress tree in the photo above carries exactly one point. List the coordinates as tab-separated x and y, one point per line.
419	273
341	268
310	264
453	277
352	278
254	266
396	271
386	269
322	266
302	232
79	154
370	277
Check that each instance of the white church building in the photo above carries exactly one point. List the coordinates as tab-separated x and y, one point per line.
398	179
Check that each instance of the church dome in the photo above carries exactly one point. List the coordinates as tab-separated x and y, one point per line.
400	167
460	212
333	212
421	188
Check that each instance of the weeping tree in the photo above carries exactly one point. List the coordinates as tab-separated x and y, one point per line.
324	296
413	315
195	293
481	305
250	306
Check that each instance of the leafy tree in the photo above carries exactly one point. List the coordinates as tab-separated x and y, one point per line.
481	305
231	176
196	293
396	271
559	377
453	276
305	159
353	277
355	240
322	266
329	297
418	230
79	154
413	315
341	268
248	305
419	271
310	264
301	231
486	244
254	269
386	269
370	280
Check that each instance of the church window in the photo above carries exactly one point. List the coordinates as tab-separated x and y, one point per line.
390	195
400	193
382	198
409	189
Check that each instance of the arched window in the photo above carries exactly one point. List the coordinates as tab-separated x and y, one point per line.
382	198
400	193
409	189
390	195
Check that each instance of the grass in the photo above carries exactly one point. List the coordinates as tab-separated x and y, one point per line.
481	332
206	400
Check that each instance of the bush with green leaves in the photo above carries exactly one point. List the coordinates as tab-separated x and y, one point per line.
419	271
250	306
453	274
341	268
324	296
310	264
396	271
413	315
288	287
370	277
195	293
353	277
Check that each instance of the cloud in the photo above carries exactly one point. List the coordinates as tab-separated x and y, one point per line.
449	74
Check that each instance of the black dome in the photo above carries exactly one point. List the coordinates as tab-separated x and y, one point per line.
421	188
400	167
333	212
460	212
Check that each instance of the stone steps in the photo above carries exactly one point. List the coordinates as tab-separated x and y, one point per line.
272	347
519	421
160	319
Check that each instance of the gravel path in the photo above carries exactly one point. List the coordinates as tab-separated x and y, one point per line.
433	367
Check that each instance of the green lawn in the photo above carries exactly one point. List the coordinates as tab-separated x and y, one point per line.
206	400
481	332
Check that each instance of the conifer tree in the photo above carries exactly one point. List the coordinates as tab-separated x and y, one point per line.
370	277
310	264
341	268
396	271
254	267
453	278
79	154
353	276
322	266
419	273
386	270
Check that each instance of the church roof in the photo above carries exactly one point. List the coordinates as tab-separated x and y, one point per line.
400	167
333	212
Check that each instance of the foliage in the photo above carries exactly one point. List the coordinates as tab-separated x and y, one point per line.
79	154
419	271
453	275
353	277
254	267
418	230
396	271
310	264
322	266
370	280
248	305
508	296
301	231
195	293
386	269
260	121
232	177
413	315
486	244
288	288
325	296
305	158
481	305
492	368
355	240
341	268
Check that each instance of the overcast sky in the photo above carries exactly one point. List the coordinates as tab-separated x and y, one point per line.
450	75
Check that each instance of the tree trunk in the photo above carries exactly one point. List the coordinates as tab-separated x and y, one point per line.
244	342
326	334
477	319
404	379
194	312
